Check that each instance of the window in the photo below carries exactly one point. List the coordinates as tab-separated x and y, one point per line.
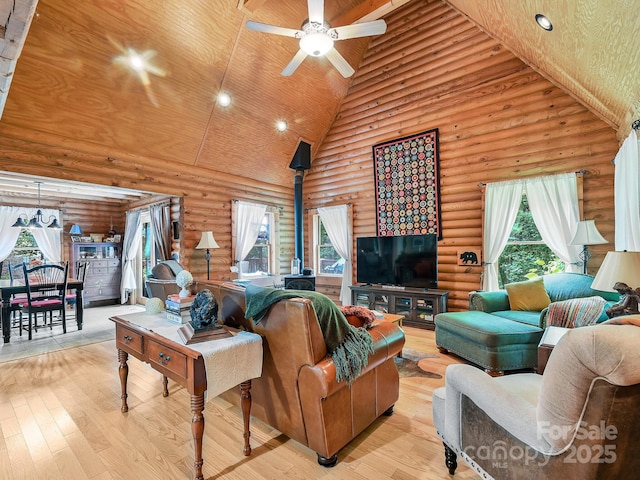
148	252
260	258
525	254
327	261
26	250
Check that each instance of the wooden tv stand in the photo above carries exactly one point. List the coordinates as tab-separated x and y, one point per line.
417	305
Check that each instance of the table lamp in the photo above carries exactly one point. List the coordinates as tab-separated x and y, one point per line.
620	272
586	234
207	242
75	229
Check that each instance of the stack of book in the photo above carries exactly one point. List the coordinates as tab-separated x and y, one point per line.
179	309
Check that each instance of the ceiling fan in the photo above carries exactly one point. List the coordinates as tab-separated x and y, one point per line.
317	37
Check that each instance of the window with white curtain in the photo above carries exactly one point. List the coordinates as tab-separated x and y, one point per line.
526	255
326	259
255	239
525	217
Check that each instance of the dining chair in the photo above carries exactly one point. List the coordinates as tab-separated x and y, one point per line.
80	274
46	290
16	273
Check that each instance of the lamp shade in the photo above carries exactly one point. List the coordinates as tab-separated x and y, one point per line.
75	229
618	267
587	234
207	241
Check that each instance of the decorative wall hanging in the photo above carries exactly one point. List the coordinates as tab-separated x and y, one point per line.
469	257
407	181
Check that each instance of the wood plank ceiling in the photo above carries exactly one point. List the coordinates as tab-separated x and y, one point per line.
69	90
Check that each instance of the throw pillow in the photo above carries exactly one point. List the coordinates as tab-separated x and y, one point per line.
530	295
358	316
575	312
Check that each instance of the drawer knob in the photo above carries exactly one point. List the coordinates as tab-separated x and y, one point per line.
164	359
127	338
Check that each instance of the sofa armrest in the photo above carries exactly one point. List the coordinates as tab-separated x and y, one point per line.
499	397
489	301
388	340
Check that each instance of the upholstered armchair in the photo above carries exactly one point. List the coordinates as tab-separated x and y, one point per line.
161	282
579	420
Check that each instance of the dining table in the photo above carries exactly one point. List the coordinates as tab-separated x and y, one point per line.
9	288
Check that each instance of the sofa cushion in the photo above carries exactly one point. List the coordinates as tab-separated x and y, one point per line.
566	285
522	316
530	295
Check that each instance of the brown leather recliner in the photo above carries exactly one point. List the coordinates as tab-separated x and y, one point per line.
161	282
297	393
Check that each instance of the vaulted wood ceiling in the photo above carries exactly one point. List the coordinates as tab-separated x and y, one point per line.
69	91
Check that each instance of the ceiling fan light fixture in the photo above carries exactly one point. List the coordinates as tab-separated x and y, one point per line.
316	44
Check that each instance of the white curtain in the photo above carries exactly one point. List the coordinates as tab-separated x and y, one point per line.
248	222
49	241
553	201
8	235
160	220
130	247
627	195
502	202
335	220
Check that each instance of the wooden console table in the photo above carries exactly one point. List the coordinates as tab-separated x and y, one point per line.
210	367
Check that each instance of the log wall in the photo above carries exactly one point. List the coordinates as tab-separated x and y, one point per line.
206	195
497	119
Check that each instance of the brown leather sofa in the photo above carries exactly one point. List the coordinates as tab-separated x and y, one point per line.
297	393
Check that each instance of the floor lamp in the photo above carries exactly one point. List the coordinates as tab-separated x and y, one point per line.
586	234
207	242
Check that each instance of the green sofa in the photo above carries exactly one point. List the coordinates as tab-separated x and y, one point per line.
498	339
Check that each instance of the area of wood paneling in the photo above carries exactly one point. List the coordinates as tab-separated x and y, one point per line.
93	217
206	197
497	119
71	86
578	54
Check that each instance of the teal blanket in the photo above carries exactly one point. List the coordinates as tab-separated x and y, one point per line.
348	346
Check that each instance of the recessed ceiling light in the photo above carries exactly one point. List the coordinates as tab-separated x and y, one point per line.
224	99
544	22
281	125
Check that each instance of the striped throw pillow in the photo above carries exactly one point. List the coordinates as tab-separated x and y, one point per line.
576	312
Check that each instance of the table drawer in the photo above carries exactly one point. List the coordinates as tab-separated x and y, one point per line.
168	358
130	338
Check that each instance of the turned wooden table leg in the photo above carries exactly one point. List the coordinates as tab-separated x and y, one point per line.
123	371
165	386
245	402
197	430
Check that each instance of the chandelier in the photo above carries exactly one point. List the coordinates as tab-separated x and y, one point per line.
37	220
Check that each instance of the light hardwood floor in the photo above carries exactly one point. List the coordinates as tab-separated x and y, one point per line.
60	419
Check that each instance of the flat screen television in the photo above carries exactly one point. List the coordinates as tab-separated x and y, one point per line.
408	261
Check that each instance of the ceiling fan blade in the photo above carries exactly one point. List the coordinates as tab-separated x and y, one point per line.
294	63
377	27
340	63
263	27
316	11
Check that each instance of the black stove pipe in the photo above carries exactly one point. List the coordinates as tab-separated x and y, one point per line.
298	220
301	161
